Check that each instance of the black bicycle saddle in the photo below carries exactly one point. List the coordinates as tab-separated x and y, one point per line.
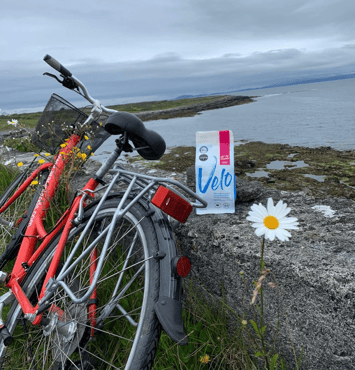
121	122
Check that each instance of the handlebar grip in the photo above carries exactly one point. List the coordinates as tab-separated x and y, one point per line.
57	66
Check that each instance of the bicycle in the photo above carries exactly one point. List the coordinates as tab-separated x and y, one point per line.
93	292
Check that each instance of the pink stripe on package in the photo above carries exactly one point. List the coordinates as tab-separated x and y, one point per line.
224	148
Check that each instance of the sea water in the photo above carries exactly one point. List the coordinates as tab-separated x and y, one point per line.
311	115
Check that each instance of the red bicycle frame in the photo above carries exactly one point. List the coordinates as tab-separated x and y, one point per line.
35	231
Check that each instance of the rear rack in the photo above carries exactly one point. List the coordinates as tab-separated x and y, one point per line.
142	183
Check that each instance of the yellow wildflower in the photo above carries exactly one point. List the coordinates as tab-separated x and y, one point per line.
63	145
41	161
83	156
86	138
19	164
34	182
36	155
47	154
205	359
92	153
244	322
89	147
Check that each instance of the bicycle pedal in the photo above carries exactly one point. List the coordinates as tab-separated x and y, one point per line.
172	204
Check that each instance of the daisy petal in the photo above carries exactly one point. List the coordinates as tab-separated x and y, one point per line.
254	214
258	224
257	210
261	231
263	210
270	206
289	220
284	233
278	207
253	218
284	213
280	235
271	235
287	234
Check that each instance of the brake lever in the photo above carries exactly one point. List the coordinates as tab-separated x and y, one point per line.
67	82
54	76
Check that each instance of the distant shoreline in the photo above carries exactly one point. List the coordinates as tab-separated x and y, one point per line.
193	109
146	111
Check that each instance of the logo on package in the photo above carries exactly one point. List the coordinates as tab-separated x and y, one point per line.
203	157
203	149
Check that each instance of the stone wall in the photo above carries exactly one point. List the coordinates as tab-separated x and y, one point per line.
314	269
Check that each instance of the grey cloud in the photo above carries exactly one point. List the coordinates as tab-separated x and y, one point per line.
169	75
263	19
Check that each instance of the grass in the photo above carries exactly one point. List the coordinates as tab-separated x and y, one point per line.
219	338
22	144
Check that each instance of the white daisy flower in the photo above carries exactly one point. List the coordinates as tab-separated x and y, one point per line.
13	122
272	222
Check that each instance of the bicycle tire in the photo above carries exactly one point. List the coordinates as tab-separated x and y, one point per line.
12	222
86	354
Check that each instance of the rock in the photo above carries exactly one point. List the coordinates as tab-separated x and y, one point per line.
314	271
14	134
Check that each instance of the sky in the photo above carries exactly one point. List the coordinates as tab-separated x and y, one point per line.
127	51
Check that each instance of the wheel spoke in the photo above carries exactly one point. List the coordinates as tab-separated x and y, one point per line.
122	296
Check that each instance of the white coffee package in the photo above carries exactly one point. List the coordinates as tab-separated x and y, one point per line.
214	165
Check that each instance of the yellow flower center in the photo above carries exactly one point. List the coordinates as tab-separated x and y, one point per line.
271	222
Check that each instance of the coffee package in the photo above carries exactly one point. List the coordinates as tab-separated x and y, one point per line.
214	165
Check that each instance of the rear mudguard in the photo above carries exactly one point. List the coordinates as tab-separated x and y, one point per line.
168	308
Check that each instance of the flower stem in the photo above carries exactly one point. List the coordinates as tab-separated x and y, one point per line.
262	305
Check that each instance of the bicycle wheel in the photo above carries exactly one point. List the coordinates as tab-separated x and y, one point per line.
17	215
127	330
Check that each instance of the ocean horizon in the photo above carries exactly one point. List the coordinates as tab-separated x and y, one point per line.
242	91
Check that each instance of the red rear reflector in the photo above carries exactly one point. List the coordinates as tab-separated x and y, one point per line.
172	204
183	266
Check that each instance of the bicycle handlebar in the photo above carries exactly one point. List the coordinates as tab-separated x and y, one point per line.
57	66
97	106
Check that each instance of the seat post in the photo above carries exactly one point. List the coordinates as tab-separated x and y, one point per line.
108	164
